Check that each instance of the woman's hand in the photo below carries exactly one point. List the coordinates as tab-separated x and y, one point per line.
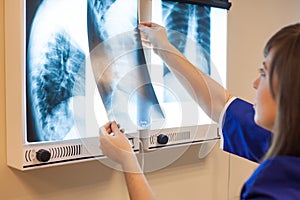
114	144
154	35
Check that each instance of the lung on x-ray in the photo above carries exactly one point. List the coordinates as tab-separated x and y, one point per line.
56	42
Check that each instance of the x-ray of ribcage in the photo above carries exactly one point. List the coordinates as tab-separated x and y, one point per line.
119	65
55	66
188	29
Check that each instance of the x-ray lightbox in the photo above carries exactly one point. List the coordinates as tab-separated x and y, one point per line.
198	29
52	101
72	65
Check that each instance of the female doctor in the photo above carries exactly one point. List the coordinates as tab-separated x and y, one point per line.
275	142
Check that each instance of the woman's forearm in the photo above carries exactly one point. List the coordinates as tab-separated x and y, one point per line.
137	185
209	94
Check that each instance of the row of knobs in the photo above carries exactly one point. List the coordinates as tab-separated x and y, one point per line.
44	155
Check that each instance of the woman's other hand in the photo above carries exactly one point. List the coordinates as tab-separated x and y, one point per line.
114	144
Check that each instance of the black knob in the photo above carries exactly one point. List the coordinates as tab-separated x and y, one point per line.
162	139
43	155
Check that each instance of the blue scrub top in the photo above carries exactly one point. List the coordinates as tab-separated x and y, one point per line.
241	135
275	178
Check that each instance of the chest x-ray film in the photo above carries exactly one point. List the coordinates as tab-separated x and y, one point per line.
119	65
188	29
61	37
57	46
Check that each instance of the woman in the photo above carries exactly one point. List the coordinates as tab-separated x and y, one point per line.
276	109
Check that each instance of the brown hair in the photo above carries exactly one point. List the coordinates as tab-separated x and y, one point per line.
285	65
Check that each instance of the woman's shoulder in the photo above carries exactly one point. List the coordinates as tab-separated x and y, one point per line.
275	178
281	160
240	134
279	168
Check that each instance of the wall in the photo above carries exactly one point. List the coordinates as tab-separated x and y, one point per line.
250	23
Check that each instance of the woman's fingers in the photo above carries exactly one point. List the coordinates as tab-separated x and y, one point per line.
107	127
148	24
